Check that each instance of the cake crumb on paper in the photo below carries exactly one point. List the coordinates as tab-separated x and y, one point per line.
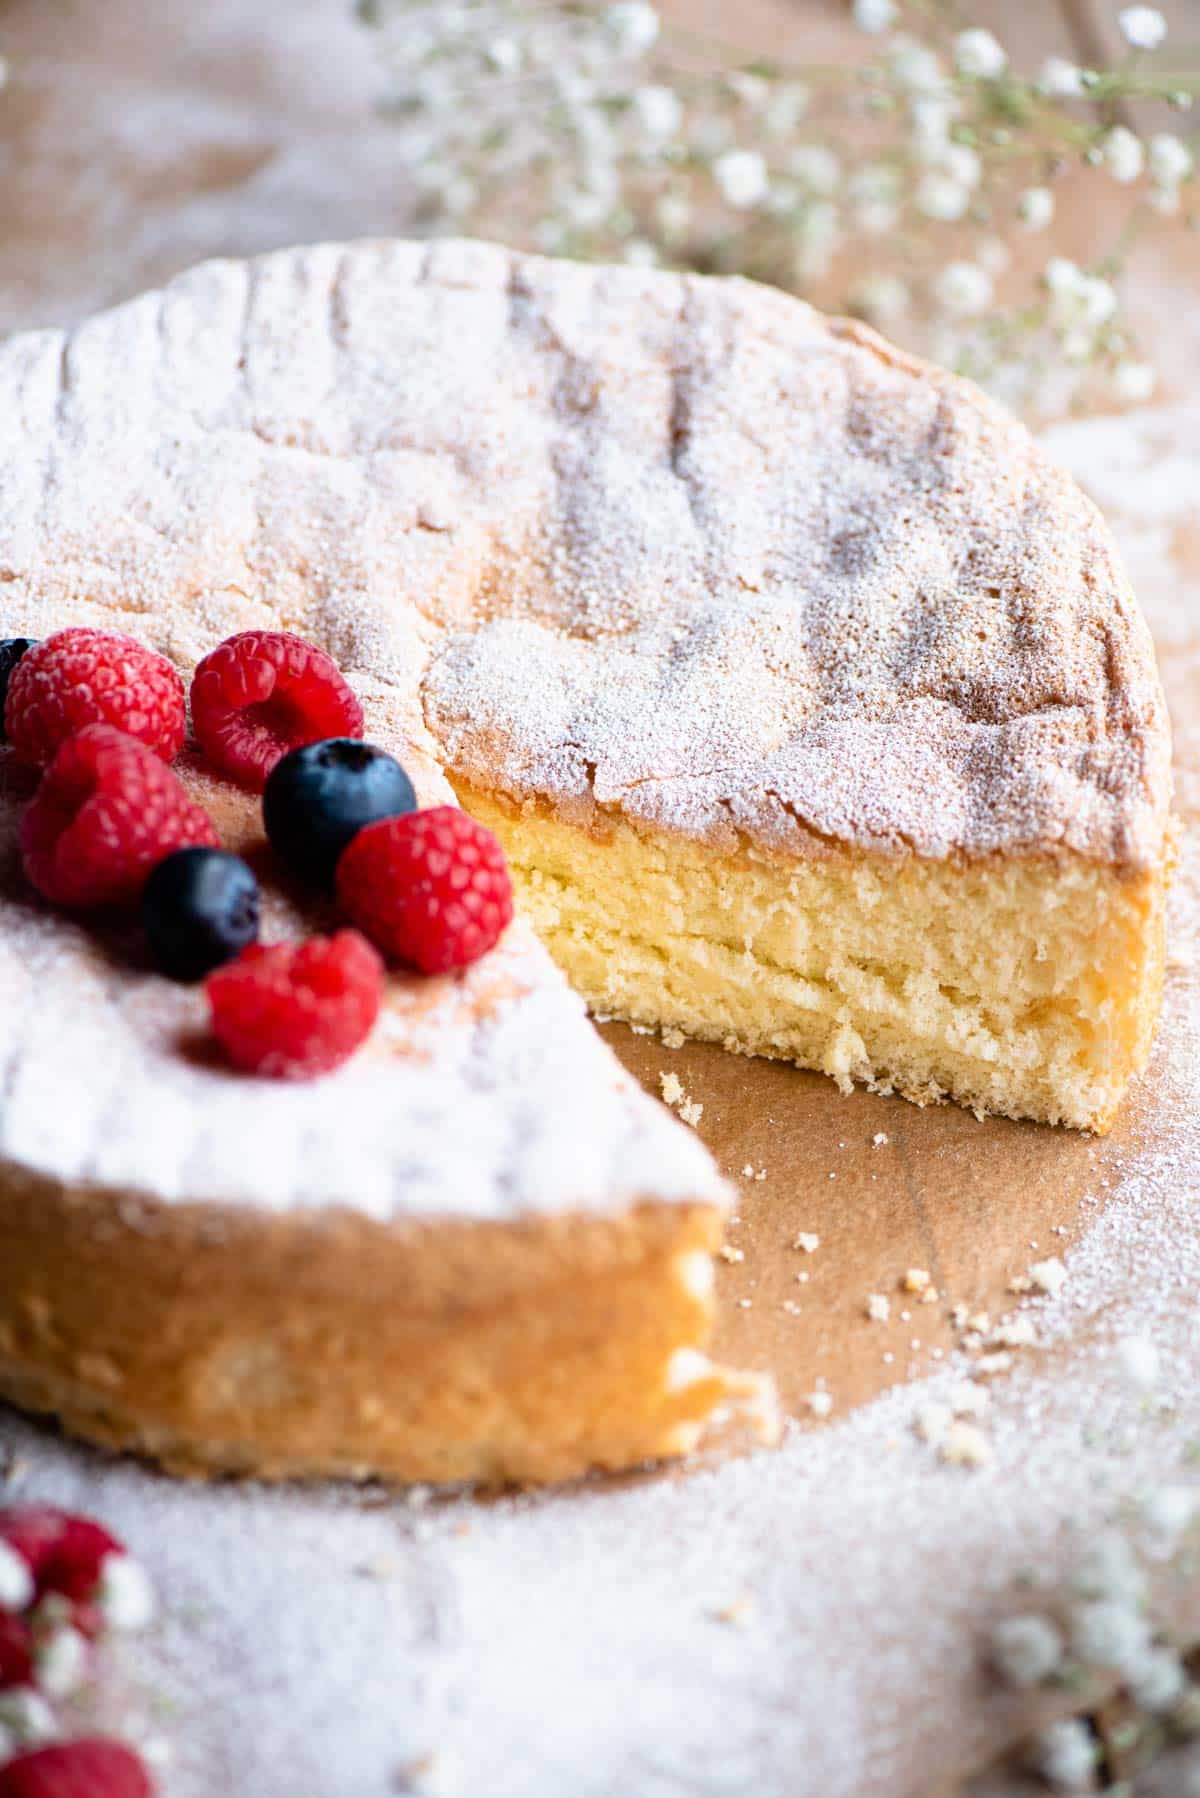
672	1038
879	1307
1048	1276
807	1241
880	1137
672	1088
917	1279
820	1403
727	1252
965	1445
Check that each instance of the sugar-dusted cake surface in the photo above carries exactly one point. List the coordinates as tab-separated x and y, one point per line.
662	574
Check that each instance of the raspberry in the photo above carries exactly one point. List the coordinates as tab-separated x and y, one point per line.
107	812
92	1767
430	888
16	1651
81	676
263	693
297	1009
63	1551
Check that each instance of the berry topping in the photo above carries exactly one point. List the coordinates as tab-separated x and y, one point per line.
11	651
263	693
64	1552
319	797
431	888
106	813
16	1651
92	1767
200	909
81	676
297	1009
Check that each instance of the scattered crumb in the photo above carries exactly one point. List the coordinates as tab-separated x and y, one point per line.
916	1280
748	1171
969	1400
727	1252
888	1358
959	1314
745	1304
672	1038
930	1296
981	1322
879	1308
1000	1362
1014	1332
879	1138
932	1421
820	1403
1020	1283
673	1094
807	1241
791	1307
1048	1276
965	1445
803	1278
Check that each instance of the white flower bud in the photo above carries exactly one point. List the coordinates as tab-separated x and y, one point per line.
1060	79
632	26
1123	153
874	16
1158	1681
815	167
918	69
979	55
658	110
61	1659
1170	159
1026	1651
963	289
941	198
1035	208
1142	27
1108	1634
742	177
1065	1755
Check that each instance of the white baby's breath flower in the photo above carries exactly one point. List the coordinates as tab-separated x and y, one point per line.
1060	79
632	27
640	254
917	68
750	89
816	167
1065	1754
874	16
962	164
785	108
658	110
1124	153
1170	159
742	177
979	55
963	289
1142	27
674	215
1134	381
880	299
877	218
940	197
1035	208
1026	1650
993	254
504	55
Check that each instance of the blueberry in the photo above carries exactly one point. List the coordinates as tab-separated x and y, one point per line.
11	651
320	796
200	908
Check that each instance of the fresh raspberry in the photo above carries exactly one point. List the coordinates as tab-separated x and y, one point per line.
81	676
297	1009
430	888
63	1551
263	693
92	1767
16	1651
107	812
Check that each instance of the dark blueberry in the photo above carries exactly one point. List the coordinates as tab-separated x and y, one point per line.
320	796
11	651
200	909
